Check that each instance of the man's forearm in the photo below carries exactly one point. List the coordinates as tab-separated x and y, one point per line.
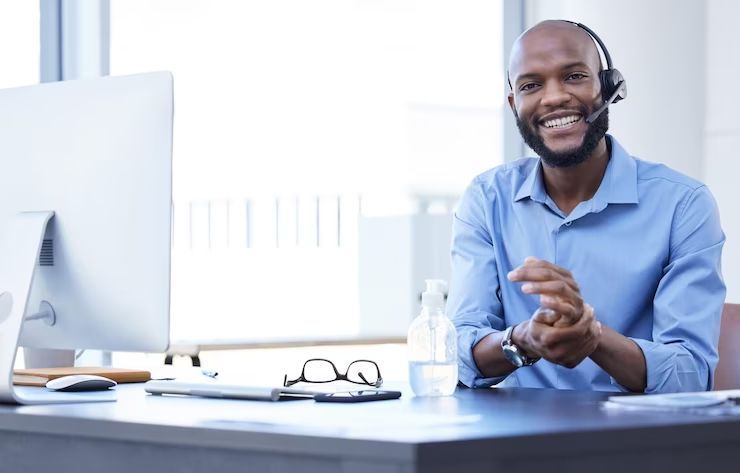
622	358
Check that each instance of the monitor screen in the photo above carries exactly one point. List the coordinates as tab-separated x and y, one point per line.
98	153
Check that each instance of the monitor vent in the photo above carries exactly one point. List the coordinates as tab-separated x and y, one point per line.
46	258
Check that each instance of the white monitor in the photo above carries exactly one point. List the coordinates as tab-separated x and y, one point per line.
98	154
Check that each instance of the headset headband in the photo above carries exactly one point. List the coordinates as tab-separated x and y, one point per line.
596	38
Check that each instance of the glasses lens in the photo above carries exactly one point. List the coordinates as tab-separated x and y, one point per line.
319	371
363	369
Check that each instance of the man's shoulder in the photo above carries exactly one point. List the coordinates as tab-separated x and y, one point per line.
657	173
505	177
496	185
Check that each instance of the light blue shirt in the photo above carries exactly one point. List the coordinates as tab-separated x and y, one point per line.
645	251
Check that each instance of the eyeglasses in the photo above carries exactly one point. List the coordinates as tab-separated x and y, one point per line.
320	370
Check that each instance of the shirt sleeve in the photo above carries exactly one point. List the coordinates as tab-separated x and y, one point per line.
688	302
474	303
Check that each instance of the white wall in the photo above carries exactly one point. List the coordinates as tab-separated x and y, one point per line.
682	106
397	253
722	130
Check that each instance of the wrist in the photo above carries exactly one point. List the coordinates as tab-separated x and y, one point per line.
520	339
601	345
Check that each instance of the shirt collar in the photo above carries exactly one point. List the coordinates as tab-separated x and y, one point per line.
533	186
618	186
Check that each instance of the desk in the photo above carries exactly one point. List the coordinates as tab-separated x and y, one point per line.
500	430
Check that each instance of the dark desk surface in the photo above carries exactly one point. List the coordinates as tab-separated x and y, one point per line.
508	430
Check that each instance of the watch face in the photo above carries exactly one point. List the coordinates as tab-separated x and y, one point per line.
512	354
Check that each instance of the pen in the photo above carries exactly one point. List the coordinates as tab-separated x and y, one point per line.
209	373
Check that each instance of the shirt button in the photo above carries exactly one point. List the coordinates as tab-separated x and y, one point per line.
567	224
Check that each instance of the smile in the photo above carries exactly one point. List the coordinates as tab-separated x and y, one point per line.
562	122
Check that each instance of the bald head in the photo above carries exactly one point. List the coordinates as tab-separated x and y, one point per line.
549	40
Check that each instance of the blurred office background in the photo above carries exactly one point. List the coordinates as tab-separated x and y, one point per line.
320	145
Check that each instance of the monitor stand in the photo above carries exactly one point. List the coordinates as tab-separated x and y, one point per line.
19	255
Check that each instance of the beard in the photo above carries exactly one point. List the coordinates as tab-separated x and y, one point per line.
563	159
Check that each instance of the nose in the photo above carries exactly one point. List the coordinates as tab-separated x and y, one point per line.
554	94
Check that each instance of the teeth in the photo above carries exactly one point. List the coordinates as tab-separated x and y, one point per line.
562	122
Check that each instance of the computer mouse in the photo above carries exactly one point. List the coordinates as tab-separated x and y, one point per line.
80	382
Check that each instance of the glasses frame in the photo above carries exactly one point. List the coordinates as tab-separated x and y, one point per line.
339	376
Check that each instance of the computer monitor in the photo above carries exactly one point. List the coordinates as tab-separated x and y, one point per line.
98	154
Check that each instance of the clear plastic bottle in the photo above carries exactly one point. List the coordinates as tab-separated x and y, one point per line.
432	345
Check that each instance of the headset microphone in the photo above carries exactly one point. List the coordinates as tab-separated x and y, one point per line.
591	118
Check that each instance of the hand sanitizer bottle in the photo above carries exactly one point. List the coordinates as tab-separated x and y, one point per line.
432	345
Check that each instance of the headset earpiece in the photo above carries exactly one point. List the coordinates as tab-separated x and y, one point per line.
611	79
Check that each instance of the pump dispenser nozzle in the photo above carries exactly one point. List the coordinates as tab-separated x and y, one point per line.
434	295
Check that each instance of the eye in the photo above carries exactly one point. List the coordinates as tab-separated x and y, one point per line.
576	76
527	87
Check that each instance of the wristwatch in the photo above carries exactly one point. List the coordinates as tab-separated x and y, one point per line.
513	353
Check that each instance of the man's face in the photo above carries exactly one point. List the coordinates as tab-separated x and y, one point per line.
554	75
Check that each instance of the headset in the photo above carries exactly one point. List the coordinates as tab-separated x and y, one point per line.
613	85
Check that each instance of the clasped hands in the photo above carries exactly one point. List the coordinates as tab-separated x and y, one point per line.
568	332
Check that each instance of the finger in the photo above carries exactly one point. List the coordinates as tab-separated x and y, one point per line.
563	322
597	328
535	273
584	332
589	309
576	329
568	346
587	316
531	261
569	312
545	316
574	334
590	341
568	335
540	274
559	289
565	308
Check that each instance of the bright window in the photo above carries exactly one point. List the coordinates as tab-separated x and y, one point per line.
19	43
296	124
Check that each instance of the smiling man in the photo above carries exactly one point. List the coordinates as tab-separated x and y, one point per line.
586	268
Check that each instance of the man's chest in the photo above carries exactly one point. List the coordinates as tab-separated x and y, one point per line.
617	256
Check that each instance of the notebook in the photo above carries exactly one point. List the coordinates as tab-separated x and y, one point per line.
676	400
40	376
214	388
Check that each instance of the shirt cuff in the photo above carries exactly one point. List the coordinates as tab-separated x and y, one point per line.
670	368
468	372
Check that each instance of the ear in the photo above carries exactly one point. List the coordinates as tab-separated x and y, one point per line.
512	105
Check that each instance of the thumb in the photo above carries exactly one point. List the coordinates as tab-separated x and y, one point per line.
545	316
